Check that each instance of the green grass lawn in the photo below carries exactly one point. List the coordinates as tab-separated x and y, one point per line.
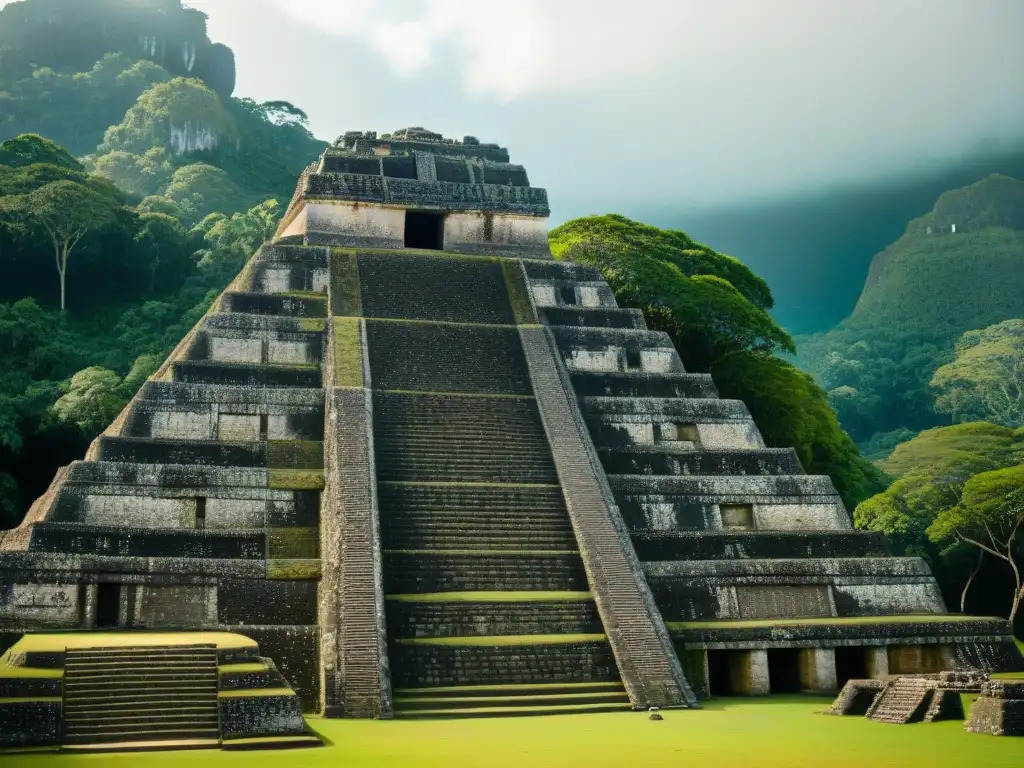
775	732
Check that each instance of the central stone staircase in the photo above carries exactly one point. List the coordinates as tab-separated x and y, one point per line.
141	697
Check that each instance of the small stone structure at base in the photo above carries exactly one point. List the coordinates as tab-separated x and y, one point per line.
902	699
100	691
999	710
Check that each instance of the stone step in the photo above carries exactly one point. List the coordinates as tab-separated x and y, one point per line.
146	734
274	304
438	665
643	385
154	707
652	461
484	572
72	538
408	704
246	374
594	317
193	717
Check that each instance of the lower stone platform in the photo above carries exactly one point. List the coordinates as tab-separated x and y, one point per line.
127	691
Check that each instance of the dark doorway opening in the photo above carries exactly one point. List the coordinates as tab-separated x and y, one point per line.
851	664
784	670
108	605
719	683
424	230
568	294
634	361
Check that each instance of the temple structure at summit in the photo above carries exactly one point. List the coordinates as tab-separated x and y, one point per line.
431	471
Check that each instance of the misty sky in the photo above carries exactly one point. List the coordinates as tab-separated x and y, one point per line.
632	106
650	104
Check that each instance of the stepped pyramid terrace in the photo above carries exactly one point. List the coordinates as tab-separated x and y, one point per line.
409	465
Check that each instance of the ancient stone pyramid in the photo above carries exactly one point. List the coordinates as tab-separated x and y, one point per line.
431	470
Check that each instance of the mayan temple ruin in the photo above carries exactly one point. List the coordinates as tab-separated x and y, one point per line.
409	465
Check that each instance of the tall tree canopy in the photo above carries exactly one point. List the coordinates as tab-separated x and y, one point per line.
933	471
986	378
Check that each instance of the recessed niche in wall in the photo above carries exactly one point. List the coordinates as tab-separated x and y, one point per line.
737	517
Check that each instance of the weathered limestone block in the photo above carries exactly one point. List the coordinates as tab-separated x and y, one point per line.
30	723
801	517
182	425
38	603
139	511
920	659
999	711
881	599
245	716
818	670
748	673
229	350
175	606
876	661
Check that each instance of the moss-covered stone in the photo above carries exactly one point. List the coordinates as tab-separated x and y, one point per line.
296	479
347	352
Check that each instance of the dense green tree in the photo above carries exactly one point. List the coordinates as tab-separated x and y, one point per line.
202	189
986	378
710	304
74	109
989	517
145	174
91	400
163	243
67	212
32	149
932	470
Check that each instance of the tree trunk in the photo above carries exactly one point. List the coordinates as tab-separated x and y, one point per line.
970	579
1018	591
62	267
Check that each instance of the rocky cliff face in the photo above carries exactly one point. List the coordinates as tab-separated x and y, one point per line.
72	34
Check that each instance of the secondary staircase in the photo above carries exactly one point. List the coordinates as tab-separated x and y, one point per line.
141	697
903	700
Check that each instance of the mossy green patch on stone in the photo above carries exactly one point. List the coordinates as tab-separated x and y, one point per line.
505	687
246	693
347	351
296	479
483	552
57	642
679	626
490	597
313	324
295	454
292	543
293	570
346	292
504	640
242	668
518	292
31	700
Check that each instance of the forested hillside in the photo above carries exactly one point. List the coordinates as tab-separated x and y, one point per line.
129	196
957	270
